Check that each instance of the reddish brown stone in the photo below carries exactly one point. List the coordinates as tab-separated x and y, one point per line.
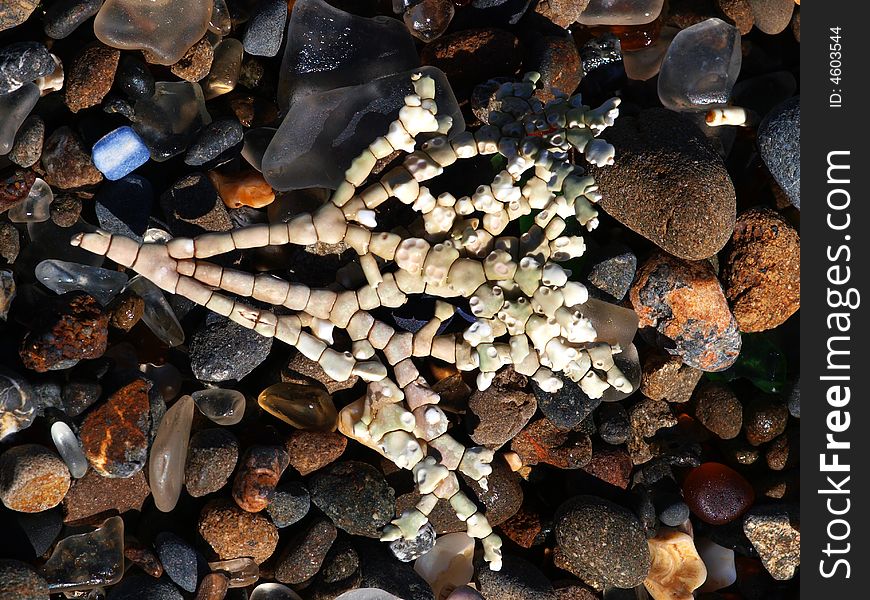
542	442
213	586
142	557
303	556
561	12
310	451
15	187
32	478
90	77
524	527
94	495
645	419
667	378
257	477
502	410
683	302
611	464
739	12
764	418
717	494
66	161
196	62
234	533
71	328
719	410
115	435
126	311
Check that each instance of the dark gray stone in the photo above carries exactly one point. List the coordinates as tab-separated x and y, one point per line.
355	496
567	407
221	350
266	28
289	504
21	63
214	140
779	139
178	559
518	579
134	78
64	16
613	271
124	206
143	587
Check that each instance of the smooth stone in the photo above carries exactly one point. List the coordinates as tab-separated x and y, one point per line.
158	314
716	493
613	271
61	277
302	558
196	62
273	591
144	587
225	68
502	410
255	144
355	495
18	580
324	131
134	78
265	29
119	153
123	207
17	403
613	426
65	16
169	453
212	455
40	531
719	562
222	406
779	144
448	564
367	594
517	579
70	449
465	593
192	206
165	28
620	12
305	407
700	67
178	558
772	16
567	407
169	120
87	560
32	478
260	469
214	141
290	503
166	378
22	63
379	569
221	350
35	208
677	570
360	50
428	19
15	106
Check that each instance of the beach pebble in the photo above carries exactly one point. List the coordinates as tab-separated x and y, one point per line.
502	410
178	559
718	409
66	162
89	78
214	140
562	12
32	478
124	206
303	556
613	271
134	77
94	494
119	153
221	350
355	496
567	407
27	149
265	29
234	533
667	378
211	459
645	419
716	493
143	587
290	503
779	145
196	62
257	476
518	579
192	206
772	16
677	569
557	60
764	418
18	580
15	12
64	16
23	62
542	442
310	451
774	531
611	464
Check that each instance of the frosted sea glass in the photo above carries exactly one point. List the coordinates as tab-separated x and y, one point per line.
169	120
225	67
88	560
61	277
224	407
69	448
620	12
158	315
35	207
169	453
14	108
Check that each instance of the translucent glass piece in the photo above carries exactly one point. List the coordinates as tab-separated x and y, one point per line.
273	591
166	28
169	121
302	406
700	67
35	208
328	48
14	108
324	132
367	594
17	407
428	19
168	454
613	324
158	315
225	68
241	572
70	449
88	560
61	277
256	142
620	12
224	407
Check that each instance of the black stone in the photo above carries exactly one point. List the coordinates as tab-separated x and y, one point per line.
613	425
612	272
178	559
381	570
567	407
64	16
779	137
266	28
21	63
355	496
123	206
143	587
221	350
289	504
134	78
215	140
518	579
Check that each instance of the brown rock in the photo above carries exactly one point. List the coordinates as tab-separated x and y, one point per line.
15	187
10	242
472	56
258	475
126	310
784	451
541	441
772	16
18	580
115	436
66	162
796	24
561	12
69	328
558	62
761	273
502	410
310	451
65	210
142	557
738	12
90	77
443	518
32	478
213	586
302	558
15	12
764	418
234	533
683	303
775	532
667	378
719	410
524	527
668	184
301	369
196	62
94	495
503	496
611	464
646	418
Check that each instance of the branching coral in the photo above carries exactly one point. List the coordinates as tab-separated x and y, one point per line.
529	314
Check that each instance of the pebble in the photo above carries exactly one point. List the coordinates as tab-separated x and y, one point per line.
567	407
70	449
18	580
611	464
241	572
716	493
265	29
192	206
64	17
142	557
79	395
126	311
178	558
739	12
303	370
355	496
683	303
196	62
380	570
34	534
66	162
518	579
774	531
772	16
339	573
689	207
429	19
116	434
409	550
667	378
779	144
247	188
783	451
61	277
15	187
557	60
134	78
10	246
289	504
124	206
87	560
221	350
143	587
14	13
67	329
213	586
169	120
310	451
17	403
542	442
95	494
764	418
234	533
601	543
221	406
15	107
90	76
503	409
23	62
761	273
646	418
273	591
677	569
307	407
503	496
563	13
613	425
718	409
32	478
303	556
27	148
34	208
168	453
214	141
524	528
258	474
119	153
65	210
613	271
212	455
794	399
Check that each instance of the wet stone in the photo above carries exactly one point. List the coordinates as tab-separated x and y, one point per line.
305	407
66	162
90	76
567	407
234	533
126	311
214	140
95	494
88	560
265	29
258	474
557	59
289	504
23	62
27	148
169	120
178	559
142	557
213	586
18	580
310	451
78	395
428	19
503	496
304	555
32	478
355	496
273	591
222	406
211	459
70	449
134	78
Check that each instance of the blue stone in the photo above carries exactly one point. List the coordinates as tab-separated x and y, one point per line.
119	153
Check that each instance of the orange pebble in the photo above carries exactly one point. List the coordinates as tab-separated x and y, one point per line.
243	189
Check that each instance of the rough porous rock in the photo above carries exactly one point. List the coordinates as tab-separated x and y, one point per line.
67	329
779	137
355	496
772	16
764	418
682	305
502	410
739	13
611	464
310	451
542	442
212	455
667	378
379	569
761	273
718	409
301	369
22	62
222	350
32	478
517	579
18	580
15	12
90	77
645	419
196	63
668	184
15	187
178	558
290	503
66	162
94	494
303	556
234	533
28	142
774	531
567	407
601	542
561	12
